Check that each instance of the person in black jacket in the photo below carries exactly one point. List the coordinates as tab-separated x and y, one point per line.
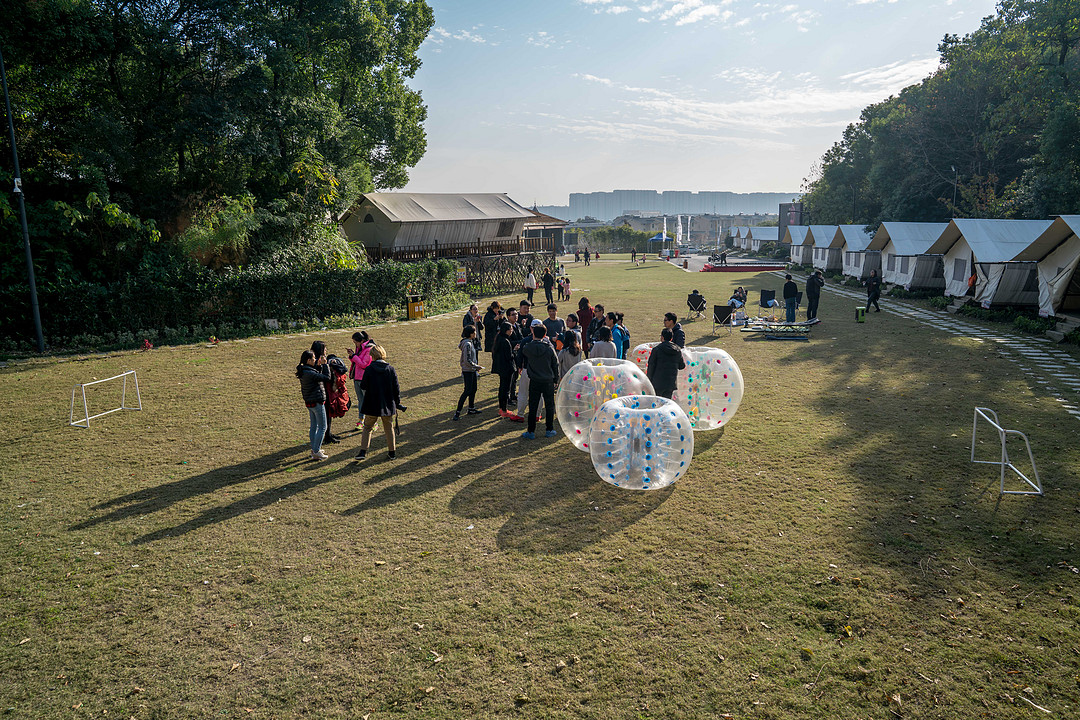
502	363
382	400
319	348
492	319
595	324
665	362
813	294
543	368
313	378
791	298
548	281
671	322
873	290
472	317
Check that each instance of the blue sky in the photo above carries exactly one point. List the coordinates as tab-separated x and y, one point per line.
539	100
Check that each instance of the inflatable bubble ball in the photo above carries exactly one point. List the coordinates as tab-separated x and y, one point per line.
640	442
640	355
587	386
710	388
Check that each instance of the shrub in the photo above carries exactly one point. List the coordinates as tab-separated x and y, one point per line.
940	302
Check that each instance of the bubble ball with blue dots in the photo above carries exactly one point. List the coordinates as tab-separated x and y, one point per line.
588	385
640	442
709	388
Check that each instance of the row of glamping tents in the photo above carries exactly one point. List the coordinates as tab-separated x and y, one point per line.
996	262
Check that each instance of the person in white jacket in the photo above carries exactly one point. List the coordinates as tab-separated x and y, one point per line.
469	369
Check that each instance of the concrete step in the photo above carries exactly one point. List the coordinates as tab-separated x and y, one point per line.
1055	335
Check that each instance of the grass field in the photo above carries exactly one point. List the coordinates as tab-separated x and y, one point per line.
831	552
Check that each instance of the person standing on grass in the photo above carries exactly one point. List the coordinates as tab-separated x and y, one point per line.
543	368
492	319
665	362
602	347
813	293
472	317
574	326
502	363
571	354
549	285
525	318
593	328
530	284
359	359
314	376
555	326
671	322
584	318
319	348
469	369
633	256
382	400
791	298
618	334
873	290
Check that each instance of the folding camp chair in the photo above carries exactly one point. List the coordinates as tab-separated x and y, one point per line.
722	315
767	302
695	307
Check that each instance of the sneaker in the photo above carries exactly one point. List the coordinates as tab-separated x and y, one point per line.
391	455
361	455
514	417
457	416
528	435
503	413
473	411
360	425
320	455
550	433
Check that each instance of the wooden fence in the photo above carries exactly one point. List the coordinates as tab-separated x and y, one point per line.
544	245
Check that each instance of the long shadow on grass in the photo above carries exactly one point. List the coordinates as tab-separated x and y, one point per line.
909	445
150	500
548	488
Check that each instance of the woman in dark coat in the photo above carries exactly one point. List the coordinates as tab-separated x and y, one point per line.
472	317
873	290
502	363
382	400
313	378
492	319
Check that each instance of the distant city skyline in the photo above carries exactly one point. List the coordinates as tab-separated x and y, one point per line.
593	95
612	204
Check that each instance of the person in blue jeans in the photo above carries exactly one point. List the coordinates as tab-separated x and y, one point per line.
791	298
313	376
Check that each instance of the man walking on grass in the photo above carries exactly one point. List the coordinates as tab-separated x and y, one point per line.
791	298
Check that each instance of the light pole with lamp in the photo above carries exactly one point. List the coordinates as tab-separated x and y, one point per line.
956	179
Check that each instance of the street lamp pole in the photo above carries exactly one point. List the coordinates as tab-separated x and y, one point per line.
22	212
956	179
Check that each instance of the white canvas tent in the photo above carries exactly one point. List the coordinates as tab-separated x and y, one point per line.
989	250
904	254
852	240
825	255
1057	252
801	251
760	235
401	220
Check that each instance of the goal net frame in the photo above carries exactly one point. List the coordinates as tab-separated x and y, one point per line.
79	389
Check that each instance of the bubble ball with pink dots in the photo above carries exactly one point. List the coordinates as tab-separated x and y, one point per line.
588	385
710	387
640	442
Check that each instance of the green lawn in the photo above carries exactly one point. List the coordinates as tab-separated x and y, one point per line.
830	553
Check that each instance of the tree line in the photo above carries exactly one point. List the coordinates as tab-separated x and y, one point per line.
993	133
158	134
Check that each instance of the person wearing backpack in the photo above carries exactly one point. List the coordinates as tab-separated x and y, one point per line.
337	393
359	359
313	377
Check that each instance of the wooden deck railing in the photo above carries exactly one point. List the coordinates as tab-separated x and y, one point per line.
458	250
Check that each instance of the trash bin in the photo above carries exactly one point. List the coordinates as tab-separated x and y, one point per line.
860	314
415	305
686	264
676	252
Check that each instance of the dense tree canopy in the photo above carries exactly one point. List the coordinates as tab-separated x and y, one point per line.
233	130
997	126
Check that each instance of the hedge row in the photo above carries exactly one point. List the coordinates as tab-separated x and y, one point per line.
233	303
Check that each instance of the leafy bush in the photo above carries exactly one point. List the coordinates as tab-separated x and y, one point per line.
1034	325
898	292
940	302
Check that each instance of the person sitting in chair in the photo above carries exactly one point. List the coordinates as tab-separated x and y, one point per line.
695	300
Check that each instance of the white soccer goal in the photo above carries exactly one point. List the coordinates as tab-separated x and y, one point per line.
990	417
80	390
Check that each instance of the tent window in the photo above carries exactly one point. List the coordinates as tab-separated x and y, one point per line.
368	218
892	263
1032	282
857	260
506	228
959	270
904	265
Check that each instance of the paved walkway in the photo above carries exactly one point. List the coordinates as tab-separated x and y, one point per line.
1052	369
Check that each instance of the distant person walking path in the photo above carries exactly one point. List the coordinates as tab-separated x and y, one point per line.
1051	368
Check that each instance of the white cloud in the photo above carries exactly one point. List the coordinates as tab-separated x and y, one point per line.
464	35
892	78
540	39
618	9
